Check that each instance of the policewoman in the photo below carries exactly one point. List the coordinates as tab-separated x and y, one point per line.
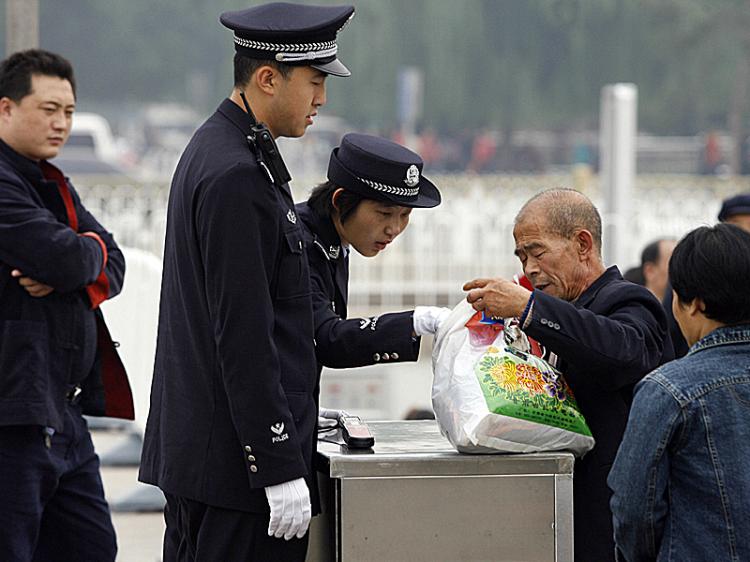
373	185
231	430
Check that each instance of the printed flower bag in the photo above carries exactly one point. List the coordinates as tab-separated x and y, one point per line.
491	393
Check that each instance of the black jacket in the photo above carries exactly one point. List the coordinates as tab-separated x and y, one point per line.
233	404
339	342
42	339
606	341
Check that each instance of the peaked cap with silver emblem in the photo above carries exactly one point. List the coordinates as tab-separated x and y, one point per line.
294	34
377	168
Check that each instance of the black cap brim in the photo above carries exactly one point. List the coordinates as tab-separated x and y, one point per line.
732	211
335	68
340	175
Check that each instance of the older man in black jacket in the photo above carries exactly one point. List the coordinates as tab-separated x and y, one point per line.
604	334
57	361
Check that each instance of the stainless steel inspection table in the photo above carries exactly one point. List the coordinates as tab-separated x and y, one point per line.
412	497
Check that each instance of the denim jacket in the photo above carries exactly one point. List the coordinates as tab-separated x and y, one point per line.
681	479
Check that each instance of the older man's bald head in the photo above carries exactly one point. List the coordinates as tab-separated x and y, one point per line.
563	211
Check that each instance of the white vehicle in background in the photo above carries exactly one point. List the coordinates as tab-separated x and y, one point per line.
169	125
164	131
91	133
91	149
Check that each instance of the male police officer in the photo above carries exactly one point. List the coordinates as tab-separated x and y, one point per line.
233	402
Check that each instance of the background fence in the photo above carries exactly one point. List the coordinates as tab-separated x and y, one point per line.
469	235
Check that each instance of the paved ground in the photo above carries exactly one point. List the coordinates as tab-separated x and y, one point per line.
139	535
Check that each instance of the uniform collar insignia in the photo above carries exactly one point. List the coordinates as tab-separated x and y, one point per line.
334	251
291	217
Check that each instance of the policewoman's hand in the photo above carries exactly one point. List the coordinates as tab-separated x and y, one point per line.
328	418
290	509
427	319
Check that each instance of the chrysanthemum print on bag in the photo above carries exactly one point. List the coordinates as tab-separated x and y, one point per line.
491	392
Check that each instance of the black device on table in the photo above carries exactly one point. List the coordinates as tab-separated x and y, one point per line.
355	432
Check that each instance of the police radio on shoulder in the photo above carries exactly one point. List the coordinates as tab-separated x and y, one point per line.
264	146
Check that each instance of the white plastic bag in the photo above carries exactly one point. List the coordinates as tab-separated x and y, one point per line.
490	395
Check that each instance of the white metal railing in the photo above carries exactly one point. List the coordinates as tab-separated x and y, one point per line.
469	235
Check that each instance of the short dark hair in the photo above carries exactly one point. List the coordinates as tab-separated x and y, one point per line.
244	67
568	210
16	72
650	253
713	263
321	201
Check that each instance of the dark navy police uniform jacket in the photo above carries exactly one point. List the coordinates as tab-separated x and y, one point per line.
49	344
347	343
606	341
233	405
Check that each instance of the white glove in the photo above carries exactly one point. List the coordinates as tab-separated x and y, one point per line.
290	509
427	319
330	418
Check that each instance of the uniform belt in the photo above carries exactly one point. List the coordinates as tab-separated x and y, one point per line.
74	394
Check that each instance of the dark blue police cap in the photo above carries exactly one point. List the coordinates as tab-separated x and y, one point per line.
737	205
377	168
294	34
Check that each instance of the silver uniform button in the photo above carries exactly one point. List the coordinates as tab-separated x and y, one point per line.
394	355
557	326
544	321
386	357
250	458
253	468
248	448
376	357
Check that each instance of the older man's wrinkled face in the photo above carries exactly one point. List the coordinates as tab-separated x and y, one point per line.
552	263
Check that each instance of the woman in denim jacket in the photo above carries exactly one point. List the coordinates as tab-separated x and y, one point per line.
681	479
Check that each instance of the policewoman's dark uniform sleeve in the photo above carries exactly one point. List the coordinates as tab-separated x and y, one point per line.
234	218
356	342
34	241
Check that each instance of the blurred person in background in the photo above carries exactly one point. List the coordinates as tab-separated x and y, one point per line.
605	332
483	152
57	360
734	210
711	156
230	436
417	413
655	266
745	157
634	275
681	479
373	185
